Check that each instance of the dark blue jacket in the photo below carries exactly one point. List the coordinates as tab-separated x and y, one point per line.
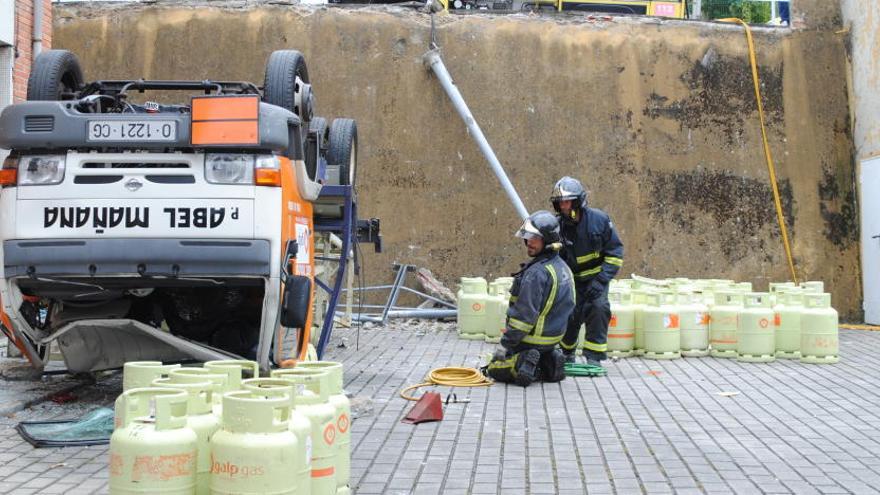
592	248
541	300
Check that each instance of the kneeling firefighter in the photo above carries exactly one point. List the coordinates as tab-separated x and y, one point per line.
541	302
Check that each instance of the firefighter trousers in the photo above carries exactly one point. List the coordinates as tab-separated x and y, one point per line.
527	365
594	314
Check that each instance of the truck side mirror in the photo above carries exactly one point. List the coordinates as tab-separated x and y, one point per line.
296	301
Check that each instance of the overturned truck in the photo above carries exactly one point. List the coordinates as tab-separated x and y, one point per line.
142	230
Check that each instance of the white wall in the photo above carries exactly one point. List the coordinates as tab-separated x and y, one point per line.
862	17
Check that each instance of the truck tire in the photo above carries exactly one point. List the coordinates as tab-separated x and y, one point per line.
343	149
279	85
56	74
318	125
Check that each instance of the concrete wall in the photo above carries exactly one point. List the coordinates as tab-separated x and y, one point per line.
657	117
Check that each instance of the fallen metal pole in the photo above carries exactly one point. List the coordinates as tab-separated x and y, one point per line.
435	63
406	313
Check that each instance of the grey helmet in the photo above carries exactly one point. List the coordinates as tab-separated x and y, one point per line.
569	188
542	224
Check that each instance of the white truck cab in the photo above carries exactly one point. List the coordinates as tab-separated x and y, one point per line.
164	232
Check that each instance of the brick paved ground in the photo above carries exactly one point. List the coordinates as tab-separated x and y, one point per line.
791	428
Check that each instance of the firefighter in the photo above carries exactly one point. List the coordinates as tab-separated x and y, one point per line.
594	253
541	302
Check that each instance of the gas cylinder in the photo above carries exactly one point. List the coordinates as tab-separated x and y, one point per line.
621	328
235	369
777	287
662	327
497	303
819	330
639	298
723	323
340	402
756	336
299	425
322	414
787	317
202	421
140	374
254	452
694	321
153	451
472	308
743	286
815	287
505	283
196	375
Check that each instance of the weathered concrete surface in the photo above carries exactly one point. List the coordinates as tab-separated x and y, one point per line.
862	26
657	117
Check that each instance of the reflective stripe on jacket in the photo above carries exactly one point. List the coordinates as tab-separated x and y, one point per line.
542	298
592	249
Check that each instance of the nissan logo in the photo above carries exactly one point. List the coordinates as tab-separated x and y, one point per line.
133	185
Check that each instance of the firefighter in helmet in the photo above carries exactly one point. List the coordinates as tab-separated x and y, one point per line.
541	301
594	252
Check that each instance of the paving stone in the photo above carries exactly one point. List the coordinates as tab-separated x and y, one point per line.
625	433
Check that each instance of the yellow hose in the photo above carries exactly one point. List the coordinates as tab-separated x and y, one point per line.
450	377
770	167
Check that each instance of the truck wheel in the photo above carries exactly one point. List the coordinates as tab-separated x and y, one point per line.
279	85
314	148
343	149
56	75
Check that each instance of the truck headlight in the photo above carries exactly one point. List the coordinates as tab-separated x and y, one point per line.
41	170
229	168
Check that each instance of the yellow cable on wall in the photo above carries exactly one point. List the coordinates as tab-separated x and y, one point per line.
770	167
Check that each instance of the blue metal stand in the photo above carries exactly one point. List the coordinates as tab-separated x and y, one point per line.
346	230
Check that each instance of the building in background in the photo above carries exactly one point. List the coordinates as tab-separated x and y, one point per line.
25	29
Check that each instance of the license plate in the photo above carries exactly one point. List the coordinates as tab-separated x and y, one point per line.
132	130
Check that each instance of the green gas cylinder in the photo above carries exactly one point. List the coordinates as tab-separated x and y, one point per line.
662	327
153	451
200	420
813	287
756	336
254	452
197	375
788	309
723	318
140	374
497	302
819	330
694	321
639	303
299	425
743	286
505	283
339	401
621	328
472	308
235	369
777	287
315	404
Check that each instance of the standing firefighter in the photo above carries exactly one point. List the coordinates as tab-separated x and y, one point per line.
594	253
541	301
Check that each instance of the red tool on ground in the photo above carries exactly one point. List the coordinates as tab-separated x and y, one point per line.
428	408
